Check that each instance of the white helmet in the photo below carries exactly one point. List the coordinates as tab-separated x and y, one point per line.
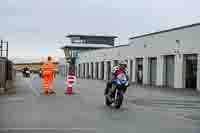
122	63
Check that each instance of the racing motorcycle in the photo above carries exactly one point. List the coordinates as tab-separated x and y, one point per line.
116	97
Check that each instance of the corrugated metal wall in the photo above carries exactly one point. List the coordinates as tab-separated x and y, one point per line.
2	73
7	71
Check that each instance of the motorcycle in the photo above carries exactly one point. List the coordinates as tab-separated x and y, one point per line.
26	73
116	96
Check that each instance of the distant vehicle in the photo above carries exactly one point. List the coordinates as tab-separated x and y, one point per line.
26	72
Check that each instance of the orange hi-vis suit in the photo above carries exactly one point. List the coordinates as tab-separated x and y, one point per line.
48	71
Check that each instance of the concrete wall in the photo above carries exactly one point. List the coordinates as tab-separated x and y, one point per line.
159	44
189	39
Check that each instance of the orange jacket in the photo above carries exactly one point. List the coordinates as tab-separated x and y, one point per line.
48	71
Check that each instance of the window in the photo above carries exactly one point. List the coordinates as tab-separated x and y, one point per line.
92	40
99	41
75	40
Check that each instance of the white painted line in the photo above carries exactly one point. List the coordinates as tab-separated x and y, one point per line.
48	129
15	99
182	117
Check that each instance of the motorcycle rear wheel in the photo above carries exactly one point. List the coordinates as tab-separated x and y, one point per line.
107	101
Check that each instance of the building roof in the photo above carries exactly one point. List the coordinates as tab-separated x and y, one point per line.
3	58
33	63
100	36
168	30
124	45
84	46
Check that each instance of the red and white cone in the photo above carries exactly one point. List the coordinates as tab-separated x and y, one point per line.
69	89
69	86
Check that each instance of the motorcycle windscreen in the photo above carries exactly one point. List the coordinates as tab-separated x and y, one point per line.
121	77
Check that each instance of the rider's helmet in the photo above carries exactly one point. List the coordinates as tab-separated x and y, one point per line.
123	64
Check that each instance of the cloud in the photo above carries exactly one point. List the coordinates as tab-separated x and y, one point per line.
38	24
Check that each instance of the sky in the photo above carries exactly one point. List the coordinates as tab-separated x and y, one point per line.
37	28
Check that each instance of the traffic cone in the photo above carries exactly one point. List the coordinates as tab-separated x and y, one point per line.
70	83
69	89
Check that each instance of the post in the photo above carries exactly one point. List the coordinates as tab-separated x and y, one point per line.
105	70
112	63
94	70
133	70
145	70
129	68
7	49
178	74
86	70
90	72
1	47
160	71
99	71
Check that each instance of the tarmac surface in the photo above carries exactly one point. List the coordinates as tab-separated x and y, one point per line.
145	110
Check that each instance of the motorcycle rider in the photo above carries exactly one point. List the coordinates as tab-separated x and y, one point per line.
120	68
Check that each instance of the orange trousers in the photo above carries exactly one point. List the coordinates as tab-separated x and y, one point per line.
48	85
48	82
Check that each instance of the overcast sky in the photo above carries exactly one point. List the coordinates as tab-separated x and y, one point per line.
33	27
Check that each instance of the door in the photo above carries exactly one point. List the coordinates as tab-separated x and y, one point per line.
84	70
116	62
169	71
97	70
152	70
79	70
92	70
191	71
139	70
108	70
102	70
88	70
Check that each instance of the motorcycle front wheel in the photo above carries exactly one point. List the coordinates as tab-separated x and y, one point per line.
119	101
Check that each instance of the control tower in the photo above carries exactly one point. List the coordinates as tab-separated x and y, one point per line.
82	43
